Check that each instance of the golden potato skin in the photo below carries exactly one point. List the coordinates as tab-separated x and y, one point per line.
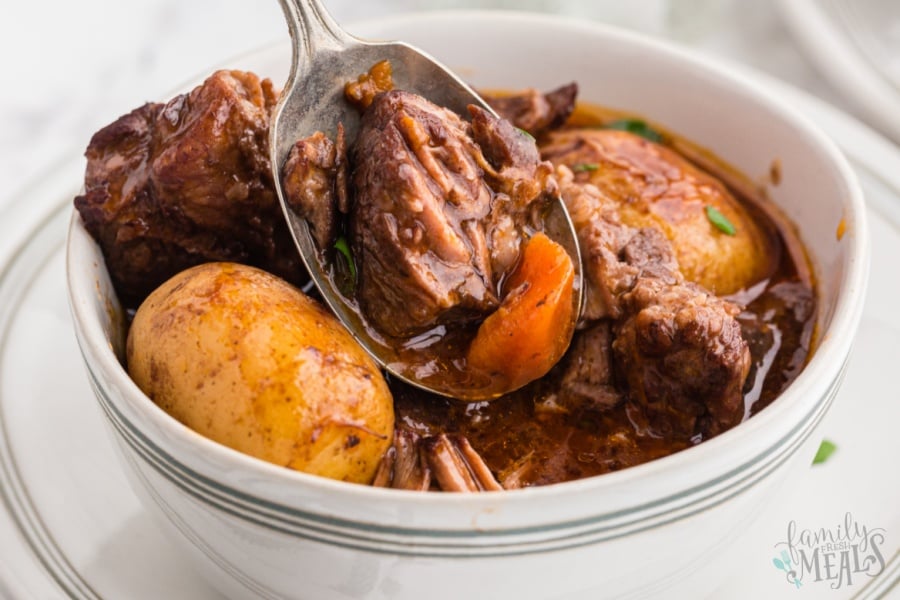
247	360
654	186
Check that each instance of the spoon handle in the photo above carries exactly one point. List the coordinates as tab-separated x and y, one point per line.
312	30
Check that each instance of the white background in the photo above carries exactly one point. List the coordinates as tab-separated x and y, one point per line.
68	68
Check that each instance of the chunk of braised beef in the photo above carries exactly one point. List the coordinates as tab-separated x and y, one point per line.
677	350
534	111
602	237
518	179
169	186
680	353
437	211
588	379
315	184
417	223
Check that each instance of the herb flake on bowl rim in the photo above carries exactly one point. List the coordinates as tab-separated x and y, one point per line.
826	449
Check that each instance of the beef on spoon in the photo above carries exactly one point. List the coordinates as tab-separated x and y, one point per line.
468	240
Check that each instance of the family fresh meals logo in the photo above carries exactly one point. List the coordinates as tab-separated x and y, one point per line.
839	556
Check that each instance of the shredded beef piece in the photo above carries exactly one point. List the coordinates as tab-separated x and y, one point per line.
404	465
437	210
455	466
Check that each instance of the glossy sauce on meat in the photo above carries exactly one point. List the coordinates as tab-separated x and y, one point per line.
531	438
169	186
443	209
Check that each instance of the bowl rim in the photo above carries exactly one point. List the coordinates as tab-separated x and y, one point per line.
813	384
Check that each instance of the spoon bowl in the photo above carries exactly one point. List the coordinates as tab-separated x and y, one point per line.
325	58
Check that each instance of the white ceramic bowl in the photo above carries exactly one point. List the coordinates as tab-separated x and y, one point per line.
663	528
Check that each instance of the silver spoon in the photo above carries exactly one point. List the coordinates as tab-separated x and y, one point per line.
325	57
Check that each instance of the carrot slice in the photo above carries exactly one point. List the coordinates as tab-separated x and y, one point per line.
531	330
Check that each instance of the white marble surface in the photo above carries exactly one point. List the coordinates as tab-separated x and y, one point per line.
71	67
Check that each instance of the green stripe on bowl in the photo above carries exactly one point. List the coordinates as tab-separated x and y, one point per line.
352	534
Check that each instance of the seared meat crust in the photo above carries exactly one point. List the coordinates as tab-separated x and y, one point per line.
678	350
169	186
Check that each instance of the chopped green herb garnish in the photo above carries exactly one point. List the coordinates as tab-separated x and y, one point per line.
582	167
719	220
525	133
826	449
635	126
341	246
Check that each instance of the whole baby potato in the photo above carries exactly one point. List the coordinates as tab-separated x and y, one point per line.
245	359
656	187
